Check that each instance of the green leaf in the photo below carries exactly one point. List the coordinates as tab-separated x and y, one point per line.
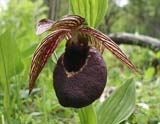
102	8
10	63
87	115
92	10
149	73
29	51
119	106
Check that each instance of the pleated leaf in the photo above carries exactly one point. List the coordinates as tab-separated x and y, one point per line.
102	9
119	106
92	10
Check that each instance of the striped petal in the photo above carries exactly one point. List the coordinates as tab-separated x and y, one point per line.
69	22
43	52
66	22
109	44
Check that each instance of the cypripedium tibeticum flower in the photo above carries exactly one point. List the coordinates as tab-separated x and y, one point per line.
80	74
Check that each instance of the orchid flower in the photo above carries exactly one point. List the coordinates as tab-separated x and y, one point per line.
80	74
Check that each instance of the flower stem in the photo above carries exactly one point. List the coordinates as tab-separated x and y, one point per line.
87	115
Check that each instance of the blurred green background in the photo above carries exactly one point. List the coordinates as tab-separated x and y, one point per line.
18	41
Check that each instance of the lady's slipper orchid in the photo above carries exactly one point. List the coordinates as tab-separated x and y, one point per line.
80	74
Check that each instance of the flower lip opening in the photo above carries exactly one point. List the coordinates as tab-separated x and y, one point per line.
75	56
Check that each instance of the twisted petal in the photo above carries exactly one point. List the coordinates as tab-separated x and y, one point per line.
69	22
43	52
109	44
66	22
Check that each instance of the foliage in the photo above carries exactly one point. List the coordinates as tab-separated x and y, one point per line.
85	9
119	106
141	16
17	35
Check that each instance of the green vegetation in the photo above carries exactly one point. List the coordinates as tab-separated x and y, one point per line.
18	42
